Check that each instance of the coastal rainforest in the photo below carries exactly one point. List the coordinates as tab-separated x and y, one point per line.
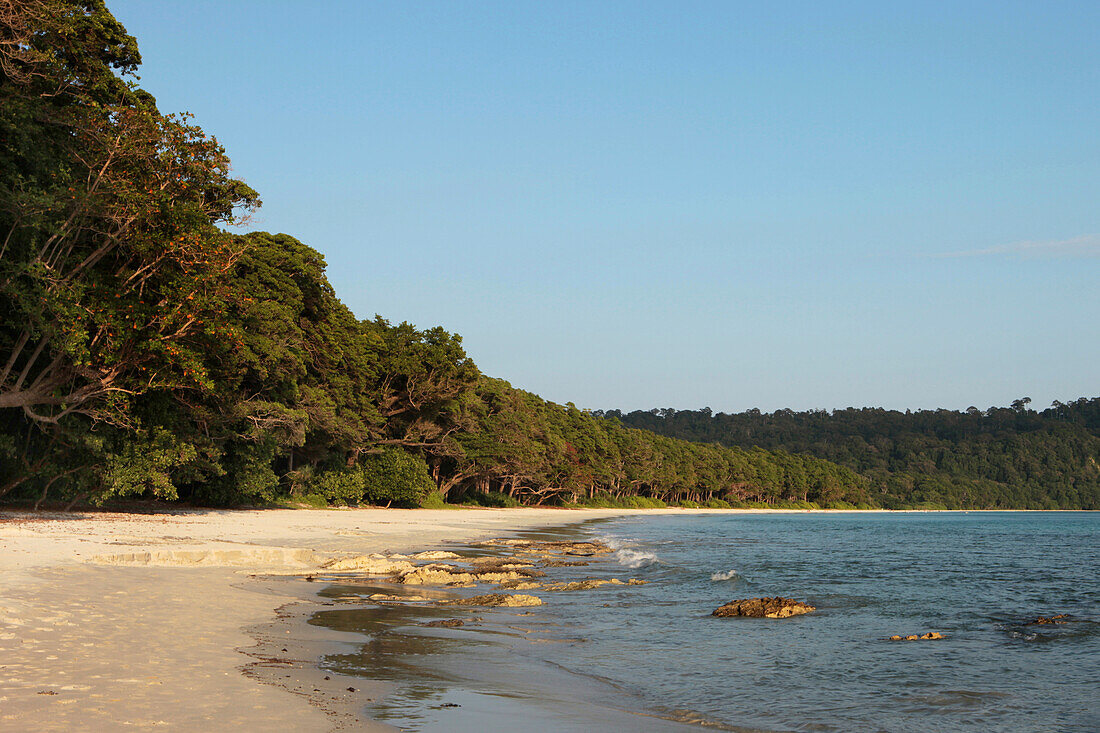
147	351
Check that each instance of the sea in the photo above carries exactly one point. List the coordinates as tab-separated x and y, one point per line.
652	657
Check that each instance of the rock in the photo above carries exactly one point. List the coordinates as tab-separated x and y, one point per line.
764	608
436	574
564	563
498	563
497	599
520	584
1044	620
446	623
397	599
435	555
930	636
369	565
582	584
591	583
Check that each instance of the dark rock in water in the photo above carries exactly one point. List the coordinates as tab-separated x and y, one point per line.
930	636
1060	618
446	623
764	608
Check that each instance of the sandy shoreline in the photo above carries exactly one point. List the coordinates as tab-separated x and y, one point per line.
143	620
111	620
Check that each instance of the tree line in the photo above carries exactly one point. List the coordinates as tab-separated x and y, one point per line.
146	351
1000	458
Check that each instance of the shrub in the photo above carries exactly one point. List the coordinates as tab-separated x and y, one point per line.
433	500
341	487
717	504
397	477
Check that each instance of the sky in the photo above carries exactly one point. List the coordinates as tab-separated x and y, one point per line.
680	204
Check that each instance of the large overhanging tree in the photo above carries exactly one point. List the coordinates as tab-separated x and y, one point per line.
111	259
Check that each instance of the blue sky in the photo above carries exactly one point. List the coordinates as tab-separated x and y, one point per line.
634	205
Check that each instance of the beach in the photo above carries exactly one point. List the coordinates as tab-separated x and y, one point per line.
113	620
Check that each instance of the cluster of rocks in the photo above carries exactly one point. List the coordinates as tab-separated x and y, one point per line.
515	572
1059	618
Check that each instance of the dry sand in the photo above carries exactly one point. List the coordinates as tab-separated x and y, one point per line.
136	621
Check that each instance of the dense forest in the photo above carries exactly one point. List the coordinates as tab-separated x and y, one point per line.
149	352
1011	457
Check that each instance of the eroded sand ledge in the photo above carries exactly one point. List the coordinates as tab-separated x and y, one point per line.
112	621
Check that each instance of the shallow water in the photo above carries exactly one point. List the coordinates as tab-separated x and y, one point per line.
977	578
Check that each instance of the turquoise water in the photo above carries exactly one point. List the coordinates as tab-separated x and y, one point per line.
976	578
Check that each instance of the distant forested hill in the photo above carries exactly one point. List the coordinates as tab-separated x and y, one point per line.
998	458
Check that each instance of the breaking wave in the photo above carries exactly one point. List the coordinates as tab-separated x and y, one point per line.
635	558
731	574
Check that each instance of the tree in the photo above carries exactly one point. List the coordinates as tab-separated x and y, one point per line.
110	257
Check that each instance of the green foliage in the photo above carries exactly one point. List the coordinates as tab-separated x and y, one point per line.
144	466
1000	458
396	477
433	500
339	487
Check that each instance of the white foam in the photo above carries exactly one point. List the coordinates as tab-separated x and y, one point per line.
635	558
731	574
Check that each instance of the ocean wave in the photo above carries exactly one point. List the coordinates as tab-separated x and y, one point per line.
731	574
635	558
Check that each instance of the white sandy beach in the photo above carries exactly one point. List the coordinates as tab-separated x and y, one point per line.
133	621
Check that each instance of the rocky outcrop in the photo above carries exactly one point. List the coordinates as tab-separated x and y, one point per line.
930	636
519	584
377	565
505	600
436	574
764	608
435	555
498	563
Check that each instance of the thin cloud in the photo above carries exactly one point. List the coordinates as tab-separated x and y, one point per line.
1084	246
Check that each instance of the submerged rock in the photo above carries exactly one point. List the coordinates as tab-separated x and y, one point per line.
591	583
497	599
585	549
930	636
397	599
764	608
446	623
498	563
1060	618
